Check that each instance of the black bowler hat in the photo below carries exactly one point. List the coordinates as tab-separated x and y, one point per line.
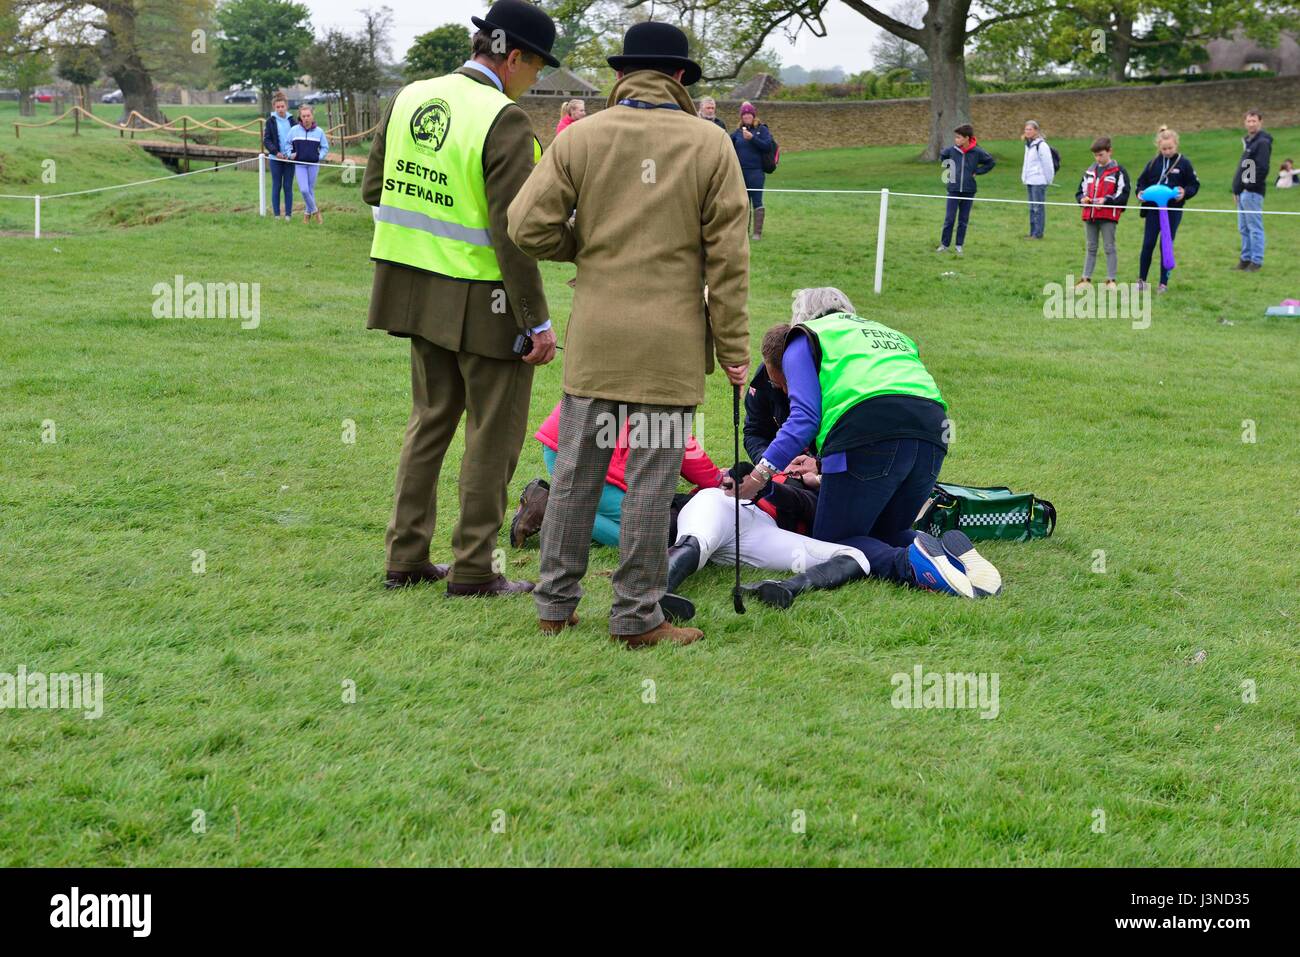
524	24
653	44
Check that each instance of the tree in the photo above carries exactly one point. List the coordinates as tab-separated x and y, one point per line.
80	66
1110	37
437	52
134	38
24	65
891	52
342	64
260	43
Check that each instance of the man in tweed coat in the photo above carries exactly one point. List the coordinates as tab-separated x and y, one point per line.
662	211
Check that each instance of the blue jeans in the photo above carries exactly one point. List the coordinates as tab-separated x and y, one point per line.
281	178
958	209
872	504
1151	242
609	510
1251	226
1037	212
754	180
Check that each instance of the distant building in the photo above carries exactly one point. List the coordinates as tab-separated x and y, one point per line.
760	87
1242	53
562	82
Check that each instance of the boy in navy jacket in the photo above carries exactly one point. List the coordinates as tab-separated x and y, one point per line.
962	162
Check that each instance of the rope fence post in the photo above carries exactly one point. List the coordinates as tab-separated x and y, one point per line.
37	197
880	239
261	184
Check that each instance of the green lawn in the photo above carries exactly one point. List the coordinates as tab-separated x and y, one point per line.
224	690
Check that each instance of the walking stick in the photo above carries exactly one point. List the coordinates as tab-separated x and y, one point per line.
737	599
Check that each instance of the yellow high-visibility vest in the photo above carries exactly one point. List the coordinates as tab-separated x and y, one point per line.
433	212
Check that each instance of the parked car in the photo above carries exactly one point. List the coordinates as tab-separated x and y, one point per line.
44	97
113	97
243	96
320	96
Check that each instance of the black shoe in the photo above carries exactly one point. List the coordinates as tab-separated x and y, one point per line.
1254	267
840	570
677	608
1244	264
683	562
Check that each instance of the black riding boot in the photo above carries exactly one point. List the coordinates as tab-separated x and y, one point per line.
683	561
840	570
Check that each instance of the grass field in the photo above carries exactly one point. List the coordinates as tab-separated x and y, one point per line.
224	690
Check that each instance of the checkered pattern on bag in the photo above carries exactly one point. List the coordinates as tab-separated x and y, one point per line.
1017	517
579	477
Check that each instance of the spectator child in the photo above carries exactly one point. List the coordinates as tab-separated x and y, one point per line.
308	146
962	162
1103	194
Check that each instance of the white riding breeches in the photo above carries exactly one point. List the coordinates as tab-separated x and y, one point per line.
710	518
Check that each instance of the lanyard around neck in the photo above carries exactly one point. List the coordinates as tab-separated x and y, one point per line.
643	105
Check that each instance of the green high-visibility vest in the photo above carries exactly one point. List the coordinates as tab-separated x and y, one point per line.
433	212
858	359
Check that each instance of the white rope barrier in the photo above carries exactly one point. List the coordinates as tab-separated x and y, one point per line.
884	193
1021	202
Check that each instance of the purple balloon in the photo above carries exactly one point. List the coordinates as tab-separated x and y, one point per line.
1161	195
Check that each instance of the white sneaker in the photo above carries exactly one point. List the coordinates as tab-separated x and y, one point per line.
958	250
942	249
984	578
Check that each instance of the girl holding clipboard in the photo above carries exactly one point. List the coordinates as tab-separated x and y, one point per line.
308	146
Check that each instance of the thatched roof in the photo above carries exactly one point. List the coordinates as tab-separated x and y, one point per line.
562	82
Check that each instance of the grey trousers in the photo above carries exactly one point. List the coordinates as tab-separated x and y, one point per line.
588	432
1103	229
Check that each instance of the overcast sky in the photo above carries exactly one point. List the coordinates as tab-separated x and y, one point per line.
849	35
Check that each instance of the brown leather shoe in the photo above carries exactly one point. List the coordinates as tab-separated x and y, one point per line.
551	626
497	586
532	507
664	632
428	572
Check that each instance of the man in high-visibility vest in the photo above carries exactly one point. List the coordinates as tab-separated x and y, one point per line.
448	158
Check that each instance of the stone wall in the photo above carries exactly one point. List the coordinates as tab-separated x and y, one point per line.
1111	111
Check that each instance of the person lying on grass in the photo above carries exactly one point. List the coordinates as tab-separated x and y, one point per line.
773	535
697	468
860	389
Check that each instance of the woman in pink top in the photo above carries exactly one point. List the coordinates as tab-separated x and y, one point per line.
697	469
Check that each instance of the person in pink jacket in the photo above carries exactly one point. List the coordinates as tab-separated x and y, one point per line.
697	468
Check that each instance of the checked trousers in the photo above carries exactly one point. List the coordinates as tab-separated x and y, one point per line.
581	462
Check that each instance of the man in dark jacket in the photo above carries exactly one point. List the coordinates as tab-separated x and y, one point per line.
709	111
962	162
1248	187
